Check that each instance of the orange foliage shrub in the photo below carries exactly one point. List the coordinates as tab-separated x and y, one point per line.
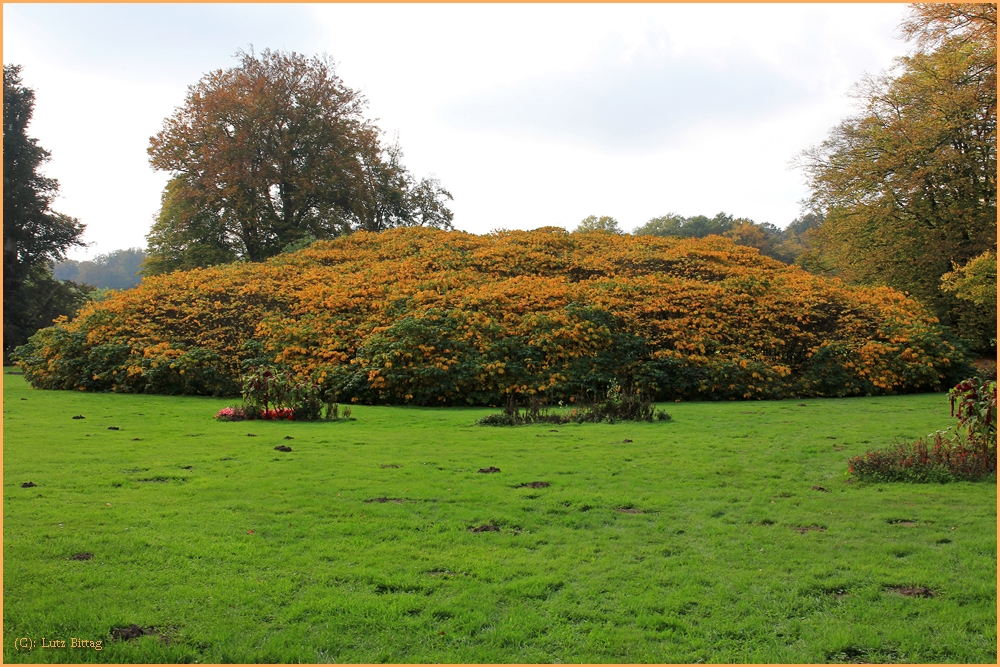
434	317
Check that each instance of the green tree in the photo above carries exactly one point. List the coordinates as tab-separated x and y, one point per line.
33	235
976	283
270	152
117	269
908	185
186	235
698	226
604	223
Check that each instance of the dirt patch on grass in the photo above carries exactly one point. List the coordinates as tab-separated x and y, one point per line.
902	522
389	465
383	499
78	417
485	528
802	530
626	441
490	469
820	488
84	555
630	510
133	631
251	435
533	485
283	448
288	437
912	591
28	485
113	428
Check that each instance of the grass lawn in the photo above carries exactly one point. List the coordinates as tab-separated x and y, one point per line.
730	534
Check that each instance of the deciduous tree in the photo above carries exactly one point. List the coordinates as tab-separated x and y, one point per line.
271	151
909	183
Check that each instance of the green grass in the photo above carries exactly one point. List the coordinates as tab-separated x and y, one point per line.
711	569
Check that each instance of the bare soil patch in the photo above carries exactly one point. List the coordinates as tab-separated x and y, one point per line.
533	485
28	485
490	469
802	530
85	555
283	448
133	631
485	528
820	488
912	591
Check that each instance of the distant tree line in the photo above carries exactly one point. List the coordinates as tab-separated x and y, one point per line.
119	269
786	245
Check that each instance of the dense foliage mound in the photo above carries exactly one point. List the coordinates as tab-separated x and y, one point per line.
432	317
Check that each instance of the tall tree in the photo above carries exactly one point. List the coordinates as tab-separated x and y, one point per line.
273	151
908	185
33	234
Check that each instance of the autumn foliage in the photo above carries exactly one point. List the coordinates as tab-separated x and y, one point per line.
426	316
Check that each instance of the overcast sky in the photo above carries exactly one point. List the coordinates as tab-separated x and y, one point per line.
530	115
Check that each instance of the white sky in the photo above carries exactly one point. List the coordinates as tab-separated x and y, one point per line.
530	115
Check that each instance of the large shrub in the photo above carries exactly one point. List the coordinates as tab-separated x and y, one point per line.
432	317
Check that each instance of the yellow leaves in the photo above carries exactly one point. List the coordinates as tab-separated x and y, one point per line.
318	309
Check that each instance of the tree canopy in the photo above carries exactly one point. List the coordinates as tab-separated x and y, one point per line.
786	245
908	184
272	151
604	223
33	234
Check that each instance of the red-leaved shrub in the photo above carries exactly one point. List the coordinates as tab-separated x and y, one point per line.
941	457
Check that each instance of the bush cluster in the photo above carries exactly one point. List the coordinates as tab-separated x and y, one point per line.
967	452
941	457
430	317
618	404
276	394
